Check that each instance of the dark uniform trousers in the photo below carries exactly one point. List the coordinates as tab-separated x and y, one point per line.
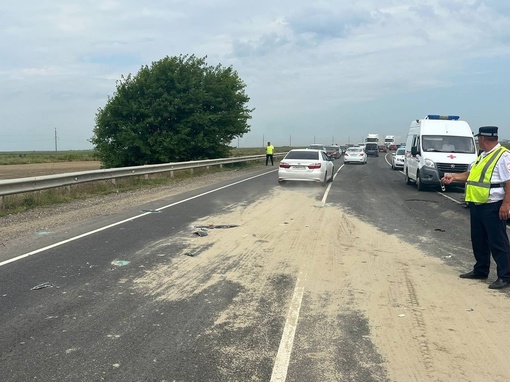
488	235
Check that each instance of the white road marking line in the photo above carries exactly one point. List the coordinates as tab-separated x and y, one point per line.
123	221
449	197
323	201
281	364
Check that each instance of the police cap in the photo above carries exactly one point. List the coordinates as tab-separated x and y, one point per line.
487	131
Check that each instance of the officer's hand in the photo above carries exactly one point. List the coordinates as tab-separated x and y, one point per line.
447	178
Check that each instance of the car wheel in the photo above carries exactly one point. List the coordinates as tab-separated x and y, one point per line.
393	167
419	183
408	181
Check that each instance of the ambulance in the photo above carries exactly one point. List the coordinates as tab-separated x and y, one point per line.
436	145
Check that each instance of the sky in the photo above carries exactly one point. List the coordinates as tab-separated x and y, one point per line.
328	71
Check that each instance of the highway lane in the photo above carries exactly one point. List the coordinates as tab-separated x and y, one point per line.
217	308
72	330
435	221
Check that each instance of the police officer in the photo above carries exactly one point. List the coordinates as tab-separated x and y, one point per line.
488	195
269	153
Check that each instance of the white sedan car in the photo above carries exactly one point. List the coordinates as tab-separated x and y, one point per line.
306	165
355	155
398	157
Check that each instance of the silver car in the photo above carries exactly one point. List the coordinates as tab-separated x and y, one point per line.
306	165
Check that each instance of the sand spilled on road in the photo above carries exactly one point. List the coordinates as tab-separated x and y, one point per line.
425	324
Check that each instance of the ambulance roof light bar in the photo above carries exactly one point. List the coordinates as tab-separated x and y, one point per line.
446	117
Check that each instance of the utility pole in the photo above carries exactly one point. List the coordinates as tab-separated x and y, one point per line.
56	139
263	144
290	140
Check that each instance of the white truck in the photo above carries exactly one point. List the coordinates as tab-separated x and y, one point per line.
389	140
437	144
374	138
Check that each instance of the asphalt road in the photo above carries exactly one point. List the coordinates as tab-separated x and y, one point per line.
92	324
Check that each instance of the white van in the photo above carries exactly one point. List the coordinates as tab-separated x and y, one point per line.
436	145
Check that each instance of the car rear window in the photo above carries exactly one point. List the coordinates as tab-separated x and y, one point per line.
401	152
303	155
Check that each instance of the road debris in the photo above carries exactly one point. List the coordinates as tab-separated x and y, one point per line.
152	211
120	263
218	226
42	286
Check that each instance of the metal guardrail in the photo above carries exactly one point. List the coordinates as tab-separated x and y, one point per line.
21	185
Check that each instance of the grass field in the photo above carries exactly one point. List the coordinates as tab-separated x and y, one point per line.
27	157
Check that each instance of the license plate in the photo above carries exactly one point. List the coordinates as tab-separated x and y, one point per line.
298	167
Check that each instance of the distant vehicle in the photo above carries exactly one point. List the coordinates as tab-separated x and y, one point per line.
333	151
362	145
397	159
391	140
317	146
372	149
392	147
374	138
435	145
355	155
306	165
383	149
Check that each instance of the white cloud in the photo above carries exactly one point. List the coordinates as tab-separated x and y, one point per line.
320	66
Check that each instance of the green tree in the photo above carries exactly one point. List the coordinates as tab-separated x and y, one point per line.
178	109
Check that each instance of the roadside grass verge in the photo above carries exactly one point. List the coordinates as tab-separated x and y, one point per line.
17	203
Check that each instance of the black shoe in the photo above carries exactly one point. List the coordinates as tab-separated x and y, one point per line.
472	275
499	284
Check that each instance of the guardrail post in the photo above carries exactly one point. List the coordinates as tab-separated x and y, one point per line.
171	174
146	176
1	201
114	181
221	166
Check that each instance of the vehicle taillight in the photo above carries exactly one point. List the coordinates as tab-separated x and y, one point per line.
284	165
314	166
361	154
346	154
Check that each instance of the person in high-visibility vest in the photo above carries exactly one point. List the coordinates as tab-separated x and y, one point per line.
488	196
269	153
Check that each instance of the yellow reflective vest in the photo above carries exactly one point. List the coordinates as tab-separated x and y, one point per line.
478	185
269	149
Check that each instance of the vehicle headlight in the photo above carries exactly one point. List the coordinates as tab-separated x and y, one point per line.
429	163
